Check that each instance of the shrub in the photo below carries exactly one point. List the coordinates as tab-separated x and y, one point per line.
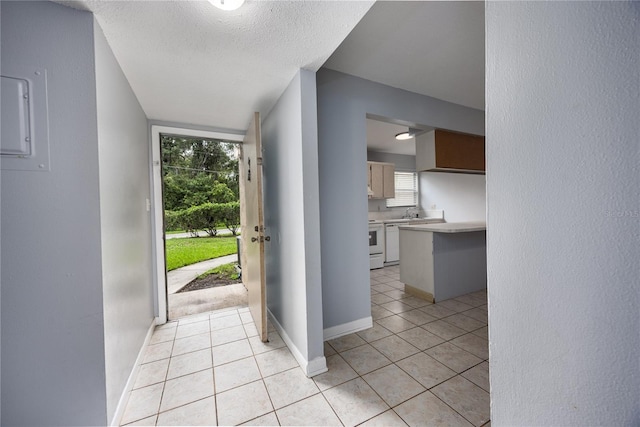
171	220
231	216
191	220
211	215
207	216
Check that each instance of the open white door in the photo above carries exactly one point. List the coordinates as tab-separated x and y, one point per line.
252	225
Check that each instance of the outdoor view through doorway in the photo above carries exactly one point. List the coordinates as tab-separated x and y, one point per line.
200	200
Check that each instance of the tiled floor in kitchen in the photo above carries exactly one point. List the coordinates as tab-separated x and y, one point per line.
421	365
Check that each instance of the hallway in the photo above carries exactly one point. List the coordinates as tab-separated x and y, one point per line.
420	364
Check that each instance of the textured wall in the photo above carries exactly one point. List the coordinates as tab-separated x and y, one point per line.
289	135
563	90
126	233
343	104
53	367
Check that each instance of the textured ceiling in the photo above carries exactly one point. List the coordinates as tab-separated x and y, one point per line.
434	48
190	62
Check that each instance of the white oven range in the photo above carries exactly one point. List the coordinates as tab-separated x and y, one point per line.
376	245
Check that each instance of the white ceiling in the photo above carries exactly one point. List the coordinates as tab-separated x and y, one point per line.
381	137
189	62
434	48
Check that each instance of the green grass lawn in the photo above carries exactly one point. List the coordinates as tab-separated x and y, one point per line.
226	270
201	232
181	252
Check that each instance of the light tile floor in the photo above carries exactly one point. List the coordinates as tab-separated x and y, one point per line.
421	364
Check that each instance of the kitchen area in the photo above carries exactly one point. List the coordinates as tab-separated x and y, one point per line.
427	202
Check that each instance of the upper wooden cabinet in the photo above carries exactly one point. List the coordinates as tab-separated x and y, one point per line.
446	151
389	181
381	180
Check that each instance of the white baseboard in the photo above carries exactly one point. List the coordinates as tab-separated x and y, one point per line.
316	366
122	403
311	368
348	328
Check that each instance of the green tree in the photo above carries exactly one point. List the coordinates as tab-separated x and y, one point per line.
198	171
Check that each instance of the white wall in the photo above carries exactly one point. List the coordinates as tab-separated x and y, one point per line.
53	361
294	297
563	90
343	104
125	222
463	197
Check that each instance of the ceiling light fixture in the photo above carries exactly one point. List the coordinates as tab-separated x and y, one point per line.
227	4
410	133
402	136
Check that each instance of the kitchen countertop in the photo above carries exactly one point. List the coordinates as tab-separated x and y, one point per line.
410	220
405	220
448	227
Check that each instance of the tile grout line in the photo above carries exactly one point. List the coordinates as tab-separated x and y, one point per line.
396	297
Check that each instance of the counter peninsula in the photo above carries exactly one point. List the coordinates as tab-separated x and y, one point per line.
442	261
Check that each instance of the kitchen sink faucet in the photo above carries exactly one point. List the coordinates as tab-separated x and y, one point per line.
411	213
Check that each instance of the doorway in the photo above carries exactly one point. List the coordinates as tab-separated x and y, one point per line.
187	165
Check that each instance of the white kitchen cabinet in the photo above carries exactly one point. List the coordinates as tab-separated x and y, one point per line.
443	261
392	236
381	180
392	240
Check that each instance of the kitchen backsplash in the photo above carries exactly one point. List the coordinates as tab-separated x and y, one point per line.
396	213
380	206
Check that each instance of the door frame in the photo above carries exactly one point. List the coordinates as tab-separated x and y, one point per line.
157	214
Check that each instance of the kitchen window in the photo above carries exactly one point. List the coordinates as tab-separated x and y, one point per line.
406	190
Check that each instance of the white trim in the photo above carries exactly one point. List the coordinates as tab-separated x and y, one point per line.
158	212
348	328
124	398
311	368
158	226
170	130
316	366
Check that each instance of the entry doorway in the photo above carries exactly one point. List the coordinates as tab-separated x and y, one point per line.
185	143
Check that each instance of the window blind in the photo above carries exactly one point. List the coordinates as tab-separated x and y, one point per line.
406	190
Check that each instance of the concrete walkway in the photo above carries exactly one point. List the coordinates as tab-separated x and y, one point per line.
180	277
221	232
203	300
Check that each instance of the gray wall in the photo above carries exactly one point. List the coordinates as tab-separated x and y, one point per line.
291	200
53	362
343	103
126	230
563	200
402	163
